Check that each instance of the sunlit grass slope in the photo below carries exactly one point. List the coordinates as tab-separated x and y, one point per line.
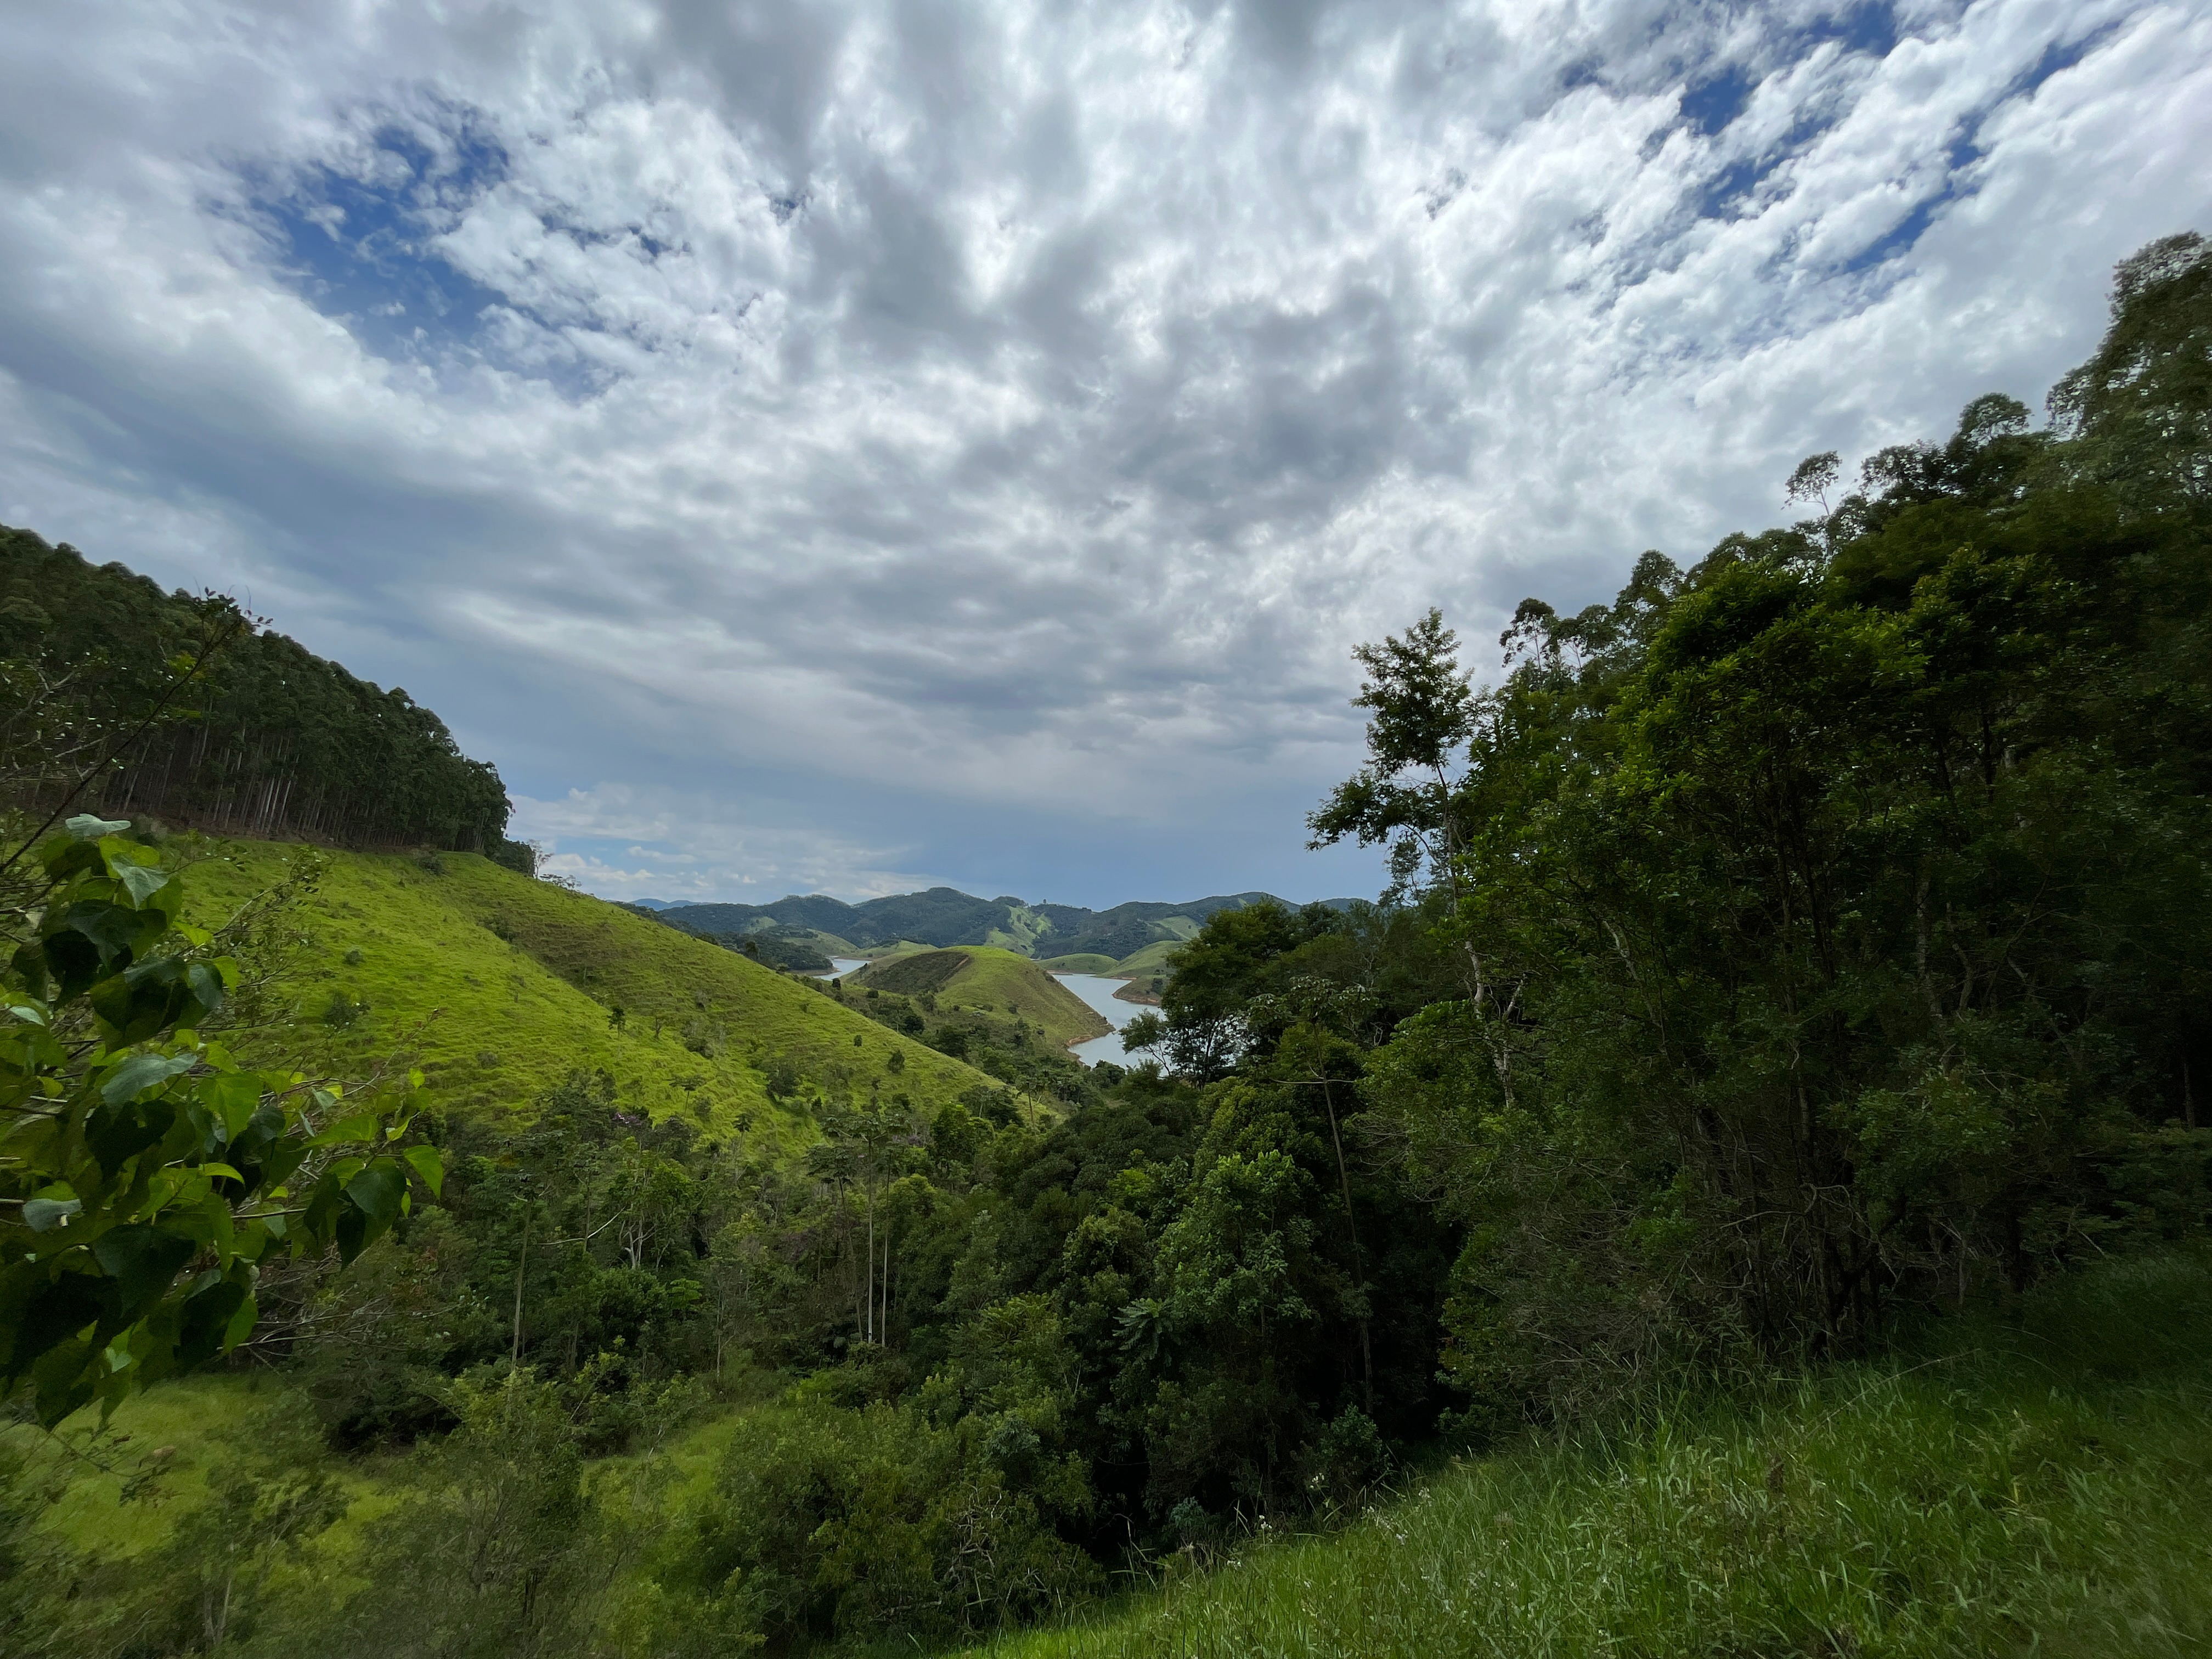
501	985
522	977
992	981
189	1422
1158	957
2044	1489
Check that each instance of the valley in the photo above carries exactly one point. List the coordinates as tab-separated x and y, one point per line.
1134	939
1740	1190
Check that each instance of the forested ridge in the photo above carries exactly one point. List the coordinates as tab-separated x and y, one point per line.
266	740
944	917
1800	957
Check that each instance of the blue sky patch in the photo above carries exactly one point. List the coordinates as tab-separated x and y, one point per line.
1711	104
1870	28
359	242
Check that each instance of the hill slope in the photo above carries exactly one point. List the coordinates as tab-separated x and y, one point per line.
990	981
503	985
2042	1487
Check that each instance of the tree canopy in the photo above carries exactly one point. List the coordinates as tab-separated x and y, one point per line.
273	741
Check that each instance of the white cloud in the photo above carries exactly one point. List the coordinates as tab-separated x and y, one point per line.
625	842
896	414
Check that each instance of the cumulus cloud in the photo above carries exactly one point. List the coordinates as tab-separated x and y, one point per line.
967	438
627	843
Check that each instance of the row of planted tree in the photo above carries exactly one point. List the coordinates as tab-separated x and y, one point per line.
183	708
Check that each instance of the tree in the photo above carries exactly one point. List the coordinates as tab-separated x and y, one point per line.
1422	714
1840	902
143	1171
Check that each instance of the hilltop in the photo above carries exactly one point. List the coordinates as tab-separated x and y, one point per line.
985	980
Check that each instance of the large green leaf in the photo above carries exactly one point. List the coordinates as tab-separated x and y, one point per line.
142	1260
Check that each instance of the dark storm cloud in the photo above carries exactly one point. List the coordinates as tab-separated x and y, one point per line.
833	444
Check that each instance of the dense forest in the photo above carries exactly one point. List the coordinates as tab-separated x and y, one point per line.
183	708
1812	940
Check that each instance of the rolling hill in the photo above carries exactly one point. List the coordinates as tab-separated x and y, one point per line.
502	985
944	917
987	980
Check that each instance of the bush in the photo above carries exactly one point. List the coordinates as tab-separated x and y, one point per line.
502	1553
828	1524
343	1012
520	856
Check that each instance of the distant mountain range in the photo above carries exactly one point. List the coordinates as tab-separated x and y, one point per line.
945	916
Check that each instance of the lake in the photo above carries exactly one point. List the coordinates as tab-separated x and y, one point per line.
1098	990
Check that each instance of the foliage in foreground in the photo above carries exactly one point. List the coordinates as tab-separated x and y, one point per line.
2041	1487
144	1173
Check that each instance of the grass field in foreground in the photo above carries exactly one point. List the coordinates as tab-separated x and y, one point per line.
2042	1486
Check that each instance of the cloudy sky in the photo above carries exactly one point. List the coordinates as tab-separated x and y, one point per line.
843	446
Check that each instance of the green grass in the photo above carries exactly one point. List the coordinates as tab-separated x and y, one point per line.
1083	961
1158	957
179	1429
2042	1487
1000	983
500	986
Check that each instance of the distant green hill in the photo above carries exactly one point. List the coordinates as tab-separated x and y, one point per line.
944	917
1079	964
988	981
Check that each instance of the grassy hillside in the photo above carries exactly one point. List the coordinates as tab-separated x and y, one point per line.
2045	1488
1082	962
2038	1484
1157	959
992	981
503	985
499	987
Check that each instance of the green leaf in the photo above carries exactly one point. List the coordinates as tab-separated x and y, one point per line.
50	1311
151	997
43	1215
141	882
142	1260
377	1190
278	1162
116	1134
241	1323
139	1073
60	1380
86	827
208	1314
427	1163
